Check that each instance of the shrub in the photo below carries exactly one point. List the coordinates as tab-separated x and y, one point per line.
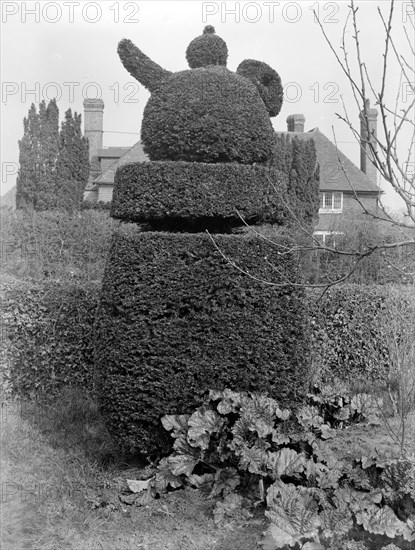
48	327
348	331
297	159
207	115
176	318
186	192
56	243
207	49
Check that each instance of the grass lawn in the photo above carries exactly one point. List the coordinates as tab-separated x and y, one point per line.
56	496
62	485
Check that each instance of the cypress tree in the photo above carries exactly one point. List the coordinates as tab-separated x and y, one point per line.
49	148
72	167
38	151
29	161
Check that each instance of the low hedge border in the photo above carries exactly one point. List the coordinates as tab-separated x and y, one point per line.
147	192
47	336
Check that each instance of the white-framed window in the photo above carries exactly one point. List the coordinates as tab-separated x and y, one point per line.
331	201
327	238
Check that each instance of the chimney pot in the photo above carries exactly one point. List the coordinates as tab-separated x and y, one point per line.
93	130
295	123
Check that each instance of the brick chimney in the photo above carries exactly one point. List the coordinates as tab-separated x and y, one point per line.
295	123
93	130
368	131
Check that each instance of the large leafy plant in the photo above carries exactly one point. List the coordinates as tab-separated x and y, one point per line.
250	452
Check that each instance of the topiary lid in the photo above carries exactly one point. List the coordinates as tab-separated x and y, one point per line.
207	49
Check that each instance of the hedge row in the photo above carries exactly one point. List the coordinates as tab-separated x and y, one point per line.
176	319
47	336
47	330
351	335
200	193
207	115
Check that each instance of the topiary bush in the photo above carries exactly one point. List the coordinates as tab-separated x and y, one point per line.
182	311
207	115
186	195
176	318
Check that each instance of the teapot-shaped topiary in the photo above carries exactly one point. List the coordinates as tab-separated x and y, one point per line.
208	113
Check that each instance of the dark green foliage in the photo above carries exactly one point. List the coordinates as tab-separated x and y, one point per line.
283	459
72	166
297	158
267	81
199	194
49	148
176	318
207	115
26	181
48	328
140	66
38	149
348	342
207	49
54	166
56	244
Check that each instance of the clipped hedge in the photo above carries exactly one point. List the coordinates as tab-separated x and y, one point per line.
207	115
200	193
176	319
349	329
48	335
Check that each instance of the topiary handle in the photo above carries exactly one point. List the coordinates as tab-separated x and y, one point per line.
267	81
141	67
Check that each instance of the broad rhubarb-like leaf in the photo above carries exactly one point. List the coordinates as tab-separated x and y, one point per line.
202	424
138	485
293	516
176	423
309	417
286	462
165	477
231	508
226	479
383	521
253	459
182	464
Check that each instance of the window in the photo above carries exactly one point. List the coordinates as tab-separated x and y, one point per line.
328	238
331	202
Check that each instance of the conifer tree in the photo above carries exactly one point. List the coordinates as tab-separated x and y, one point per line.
72	168
49	148
29	161
36	180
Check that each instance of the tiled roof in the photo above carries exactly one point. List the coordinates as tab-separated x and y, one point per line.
8	200
112	152
133	154
331	160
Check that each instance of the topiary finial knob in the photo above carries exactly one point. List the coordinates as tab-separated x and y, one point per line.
209	29
207	49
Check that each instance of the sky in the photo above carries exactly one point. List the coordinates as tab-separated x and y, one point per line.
68	50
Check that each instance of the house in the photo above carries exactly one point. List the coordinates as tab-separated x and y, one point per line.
344	188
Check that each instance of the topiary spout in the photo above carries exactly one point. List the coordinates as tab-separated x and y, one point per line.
141	67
